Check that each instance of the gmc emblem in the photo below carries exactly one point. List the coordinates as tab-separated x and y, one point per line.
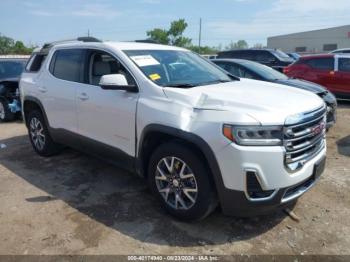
316	130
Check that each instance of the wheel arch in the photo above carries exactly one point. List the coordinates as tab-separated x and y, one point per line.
31	103
153	135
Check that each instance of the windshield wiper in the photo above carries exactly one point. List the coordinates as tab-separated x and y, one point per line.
181	85
214	82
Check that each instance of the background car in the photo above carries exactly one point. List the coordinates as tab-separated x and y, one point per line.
269	57
329	70
341	51
253	70
11	68
295	56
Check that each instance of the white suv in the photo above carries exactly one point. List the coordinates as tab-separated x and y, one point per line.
198	135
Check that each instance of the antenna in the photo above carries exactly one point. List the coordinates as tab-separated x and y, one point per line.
200	34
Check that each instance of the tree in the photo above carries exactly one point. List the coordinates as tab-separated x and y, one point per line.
159	35
6	45
10	46
258	46
173	36
240	44
207	50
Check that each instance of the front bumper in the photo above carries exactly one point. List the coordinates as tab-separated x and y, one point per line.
268	165
331	103
236	203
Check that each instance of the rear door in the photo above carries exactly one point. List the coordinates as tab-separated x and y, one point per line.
342	76
59	87
321	71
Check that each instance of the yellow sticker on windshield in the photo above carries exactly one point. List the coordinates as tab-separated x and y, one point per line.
154	77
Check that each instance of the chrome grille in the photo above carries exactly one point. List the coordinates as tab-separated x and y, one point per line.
303	140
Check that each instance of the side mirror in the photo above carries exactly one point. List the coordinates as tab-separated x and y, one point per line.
116	82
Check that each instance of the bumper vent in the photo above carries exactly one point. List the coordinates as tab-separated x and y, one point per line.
304	140
254	189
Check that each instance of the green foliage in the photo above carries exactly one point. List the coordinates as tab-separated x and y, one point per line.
173	36
207	50
240	44
259	46
10	46
159	35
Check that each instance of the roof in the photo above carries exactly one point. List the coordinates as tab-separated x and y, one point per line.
330	55
249	49
317	56
119	45
311	31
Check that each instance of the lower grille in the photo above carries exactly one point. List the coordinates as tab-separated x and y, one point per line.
304	140
297	190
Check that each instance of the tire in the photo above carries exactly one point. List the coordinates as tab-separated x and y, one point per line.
39	135
5	113
189	205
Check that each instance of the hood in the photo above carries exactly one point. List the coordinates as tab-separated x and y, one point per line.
306	85
13	79
268	103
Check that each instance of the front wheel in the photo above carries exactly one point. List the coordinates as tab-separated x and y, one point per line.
181	182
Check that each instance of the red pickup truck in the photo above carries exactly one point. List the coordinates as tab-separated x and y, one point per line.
329	70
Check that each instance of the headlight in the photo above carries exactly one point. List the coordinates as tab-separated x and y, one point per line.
254	135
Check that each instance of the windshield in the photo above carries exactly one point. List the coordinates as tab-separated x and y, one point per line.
266	72
177	68
11	69
281	54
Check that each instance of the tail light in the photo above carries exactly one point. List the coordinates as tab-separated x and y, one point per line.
285	70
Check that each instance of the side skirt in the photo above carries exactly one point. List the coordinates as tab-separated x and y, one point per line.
95	148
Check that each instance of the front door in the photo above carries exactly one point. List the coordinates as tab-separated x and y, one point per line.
106	116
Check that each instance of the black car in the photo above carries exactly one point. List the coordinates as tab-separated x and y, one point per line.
253	70
11	68
269	57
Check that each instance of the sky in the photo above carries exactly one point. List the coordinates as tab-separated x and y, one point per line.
39	21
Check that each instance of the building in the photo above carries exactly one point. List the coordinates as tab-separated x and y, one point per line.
317	41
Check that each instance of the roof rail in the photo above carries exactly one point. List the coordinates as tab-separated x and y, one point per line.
149	41
81	39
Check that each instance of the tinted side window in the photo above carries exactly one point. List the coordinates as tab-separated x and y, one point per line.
229	54
231	68
322	63
263	56
102	63
67	64
248	55
35	62
344	64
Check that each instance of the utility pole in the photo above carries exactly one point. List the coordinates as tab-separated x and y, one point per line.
88	32
200	34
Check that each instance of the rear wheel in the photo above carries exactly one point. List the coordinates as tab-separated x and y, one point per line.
39	135
181	182
5	112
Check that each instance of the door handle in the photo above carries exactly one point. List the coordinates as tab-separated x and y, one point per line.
83	96
42	89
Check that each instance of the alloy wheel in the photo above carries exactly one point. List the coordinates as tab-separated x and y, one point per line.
37	133
176	183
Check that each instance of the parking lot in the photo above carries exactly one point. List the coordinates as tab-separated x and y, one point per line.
75	204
